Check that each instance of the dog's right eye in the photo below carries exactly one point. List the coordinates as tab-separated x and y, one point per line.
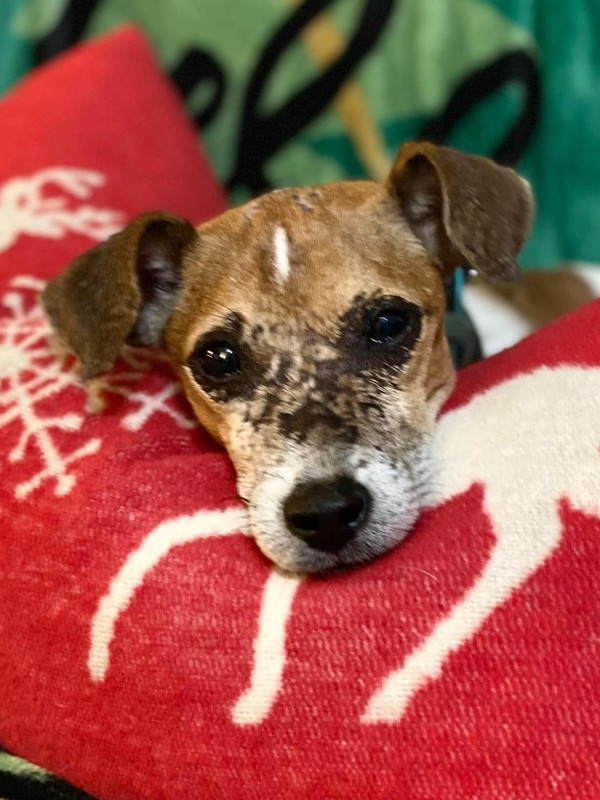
216	360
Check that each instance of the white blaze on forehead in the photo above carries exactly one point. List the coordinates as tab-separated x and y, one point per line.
281	255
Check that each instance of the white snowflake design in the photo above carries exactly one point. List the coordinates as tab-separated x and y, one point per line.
44	204
31	371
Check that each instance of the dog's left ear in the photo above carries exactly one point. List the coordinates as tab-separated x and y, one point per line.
466	209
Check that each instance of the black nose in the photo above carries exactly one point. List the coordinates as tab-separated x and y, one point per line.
327	515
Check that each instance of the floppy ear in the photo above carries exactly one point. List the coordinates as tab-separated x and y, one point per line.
466	209
122	290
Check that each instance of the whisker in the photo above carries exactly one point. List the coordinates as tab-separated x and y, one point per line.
419	569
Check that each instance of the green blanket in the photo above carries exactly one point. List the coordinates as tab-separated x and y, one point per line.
289	92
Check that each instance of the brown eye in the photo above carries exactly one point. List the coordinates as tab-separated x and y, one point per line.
217	360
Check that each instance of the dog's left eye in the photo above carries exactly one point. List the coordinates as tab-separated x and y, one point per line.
217	360
390	326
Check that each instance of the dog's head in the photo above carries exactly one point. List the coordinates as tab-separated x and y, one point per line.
307	330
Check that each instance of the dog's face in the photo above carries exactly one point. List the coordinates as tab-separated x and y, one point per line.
307	330
318	358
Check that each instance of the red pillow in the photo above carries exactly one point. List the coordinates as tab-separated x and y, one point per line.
148	650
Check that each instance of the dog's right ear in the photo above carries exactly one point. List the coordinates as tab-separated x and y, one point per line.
122	290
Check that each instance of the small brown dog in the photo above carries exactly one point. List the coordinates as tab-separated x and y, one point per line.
307	328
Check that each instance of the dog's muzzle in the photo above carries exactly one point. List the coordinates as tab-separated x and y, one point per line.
326	515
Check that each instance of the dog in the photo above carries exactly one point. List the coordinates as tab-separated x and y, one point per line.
307	329
504	313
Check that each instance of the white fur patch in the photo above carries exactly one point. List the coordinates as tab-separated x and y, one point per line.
498	324
590	274
281	255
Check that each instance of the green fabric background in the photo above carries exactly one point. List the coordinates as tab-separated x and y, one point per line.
426	49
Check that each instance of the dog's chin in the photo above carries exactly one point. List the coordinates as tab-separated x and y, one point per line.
297	557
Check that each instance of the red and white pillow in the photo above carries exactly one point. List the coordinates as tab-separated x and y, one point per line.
148	650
